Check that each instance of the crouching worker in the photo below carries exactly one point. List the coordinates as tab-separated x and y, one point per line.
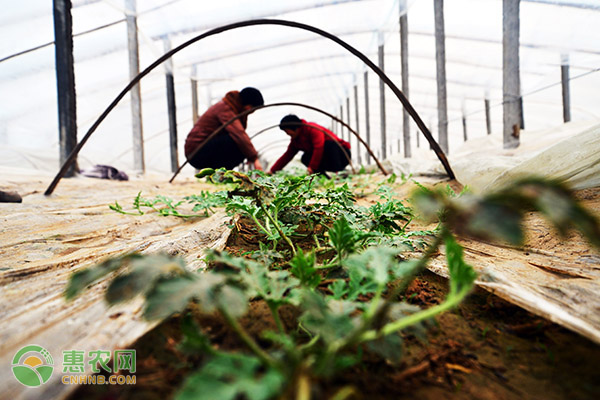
231	146
321	152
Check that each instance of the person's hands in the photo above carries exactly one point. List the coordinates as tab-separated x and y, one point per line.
257	165
309	171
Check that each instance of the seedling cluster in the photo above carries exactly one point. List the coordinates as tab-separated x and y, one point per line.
342	266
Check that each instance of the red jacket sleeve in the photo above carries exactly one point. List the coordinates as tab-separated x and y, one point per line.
285	158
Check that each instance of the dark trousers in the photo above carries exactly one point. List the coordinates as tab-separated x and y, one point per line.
334	158
220	151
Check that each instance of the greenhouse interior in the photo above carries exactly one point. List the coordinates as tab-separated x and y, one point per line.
310	199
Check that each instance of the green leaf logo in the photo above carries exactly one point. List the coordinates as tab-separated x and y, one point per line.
33	365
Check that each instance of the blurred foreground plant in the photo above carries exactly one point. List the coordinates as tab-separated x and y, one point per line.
336	323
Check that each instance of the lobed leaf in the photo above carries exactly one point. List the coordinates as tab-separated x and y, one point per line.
173	295
81	279
462	275
231	376
145	271
302	267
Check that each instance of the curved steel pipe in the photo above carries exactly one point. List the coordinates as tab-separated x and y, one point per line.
224	28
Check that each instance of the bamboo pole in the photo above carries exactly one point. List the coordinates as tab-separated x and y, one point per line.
194	88
511	87
136	96
356	114
404	71
566	92
488	119
171	108
440	56
65	83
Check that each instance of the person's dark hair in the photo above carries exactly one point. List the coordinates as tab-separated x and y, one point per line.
251	96
290	121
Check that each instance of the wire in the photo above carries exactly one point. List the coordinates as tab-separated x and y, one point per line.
88	31
528	93
52	42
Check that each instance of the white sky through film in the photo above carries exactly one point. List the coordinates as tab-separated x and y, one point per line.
287	65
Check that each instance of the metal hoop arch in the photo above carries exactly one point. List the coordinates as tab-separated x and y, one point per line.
409	108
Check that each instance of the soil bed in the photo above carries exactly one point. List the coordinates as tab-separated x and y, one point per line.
485	349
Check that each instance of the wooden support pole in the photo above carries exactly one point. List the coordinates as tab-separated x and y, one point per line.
65	83
194	87
521	113
342	133
382	121
488	119
566	92
464	124
440	58
348	121
511	86
136	96
356	114
404	71
367	116
171	108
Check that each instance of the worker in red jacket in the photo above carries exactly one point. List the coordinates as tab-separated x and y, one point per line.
230	147
321	152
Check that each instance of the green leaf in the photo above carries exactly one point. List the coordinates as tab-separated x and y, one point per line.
82	278
339	289
193	341
285	341
174	294
462	275
237	263
145	271
341	236
402	310
276	287
405	269
265	255
230	376
302	267
383	216
330	323
388	347
375	264
273	286
429	204
360	282
206	201
494	221
205	172
232	299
